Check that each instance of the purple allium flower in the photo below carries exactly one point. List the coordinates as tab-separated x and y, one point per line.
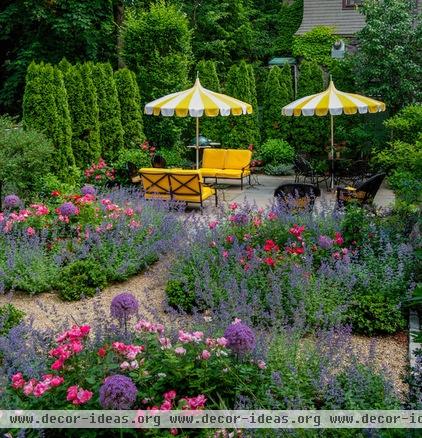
118	392
241	338
123	306
11	201
68	209
88	190
325	242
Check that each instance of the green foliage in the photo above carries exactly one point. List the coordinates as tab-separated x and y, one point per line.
111	131
288	20
376	313
82	99
278	93
48	31
25	157
161	68
391	29
138	157
179	296
45	110
403	155
240	131
315	45
10	317
173	158
309	134
223	30
406	125
81	278
279	169
130	107
275	152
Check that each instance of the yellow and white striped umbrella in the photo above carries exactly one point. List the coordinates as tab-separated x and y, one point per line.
333	101
197	102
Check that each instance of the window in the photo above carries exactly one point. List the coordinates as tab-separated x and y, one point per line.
351	4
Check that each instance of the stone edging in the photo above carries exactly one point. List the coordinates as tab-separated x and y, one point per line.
414	326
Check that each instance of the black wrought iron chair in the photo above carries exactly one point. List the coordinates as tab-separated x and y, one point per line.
363	193
133	173
297	197
305	171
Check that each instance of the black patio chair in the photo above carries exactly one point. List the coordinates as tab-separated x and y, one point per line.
297	197
305	171
363	193
133	173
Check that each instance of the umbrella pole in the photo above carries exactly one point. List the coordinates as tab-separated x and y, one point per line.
197	143
332	152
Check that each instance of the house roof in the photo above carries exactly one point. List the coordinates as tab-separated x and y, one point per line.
330	13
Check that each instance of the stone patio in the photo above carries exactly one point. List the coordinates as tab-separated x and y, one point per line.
262	192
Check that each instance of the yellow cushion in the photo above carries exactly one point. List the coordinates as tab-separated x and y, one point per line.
237	158
214	158
206	193
231	173
209	172
185	183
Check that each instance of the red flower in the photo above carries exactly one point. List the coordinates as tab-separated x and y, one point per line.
296	230
338	238
270	245
102	352
269	261
55	193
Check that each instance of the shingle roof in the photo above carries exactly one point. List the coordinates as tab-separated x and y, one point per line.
330	13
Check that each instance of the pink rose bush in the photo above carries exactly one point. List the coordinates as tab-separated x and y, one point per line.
156	371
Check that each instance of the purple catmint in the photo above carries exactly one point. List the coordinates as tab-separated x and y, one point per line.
12	201
68	209
241	339
118	392
123	306
88	190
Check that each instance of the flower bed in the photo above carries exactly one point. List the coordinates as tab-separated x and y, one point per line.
268	266
145	365
78	243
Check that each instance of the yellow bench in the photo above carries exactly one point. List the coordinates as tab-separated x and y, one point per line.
226	164
176	185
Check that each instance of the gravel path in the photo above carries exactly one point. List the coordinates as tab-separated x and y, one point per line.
389	352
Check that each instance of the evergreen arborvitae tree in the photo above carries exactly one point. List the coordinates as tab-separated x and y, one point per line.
240	131
64	156
83	108
130	107
45	110
254	103
278	93
210	127
111	131
310	134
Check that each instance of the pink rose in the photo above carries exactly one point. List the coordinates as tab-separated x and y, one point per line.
205	355
180	351
166	405
222	342
18	381
170	395
261	365
30	232
40	389
233	206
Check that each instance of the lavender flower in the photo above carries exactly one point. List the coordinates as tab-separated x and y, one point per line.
118	392
88	190
12	201
68	209
241	338
123	306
